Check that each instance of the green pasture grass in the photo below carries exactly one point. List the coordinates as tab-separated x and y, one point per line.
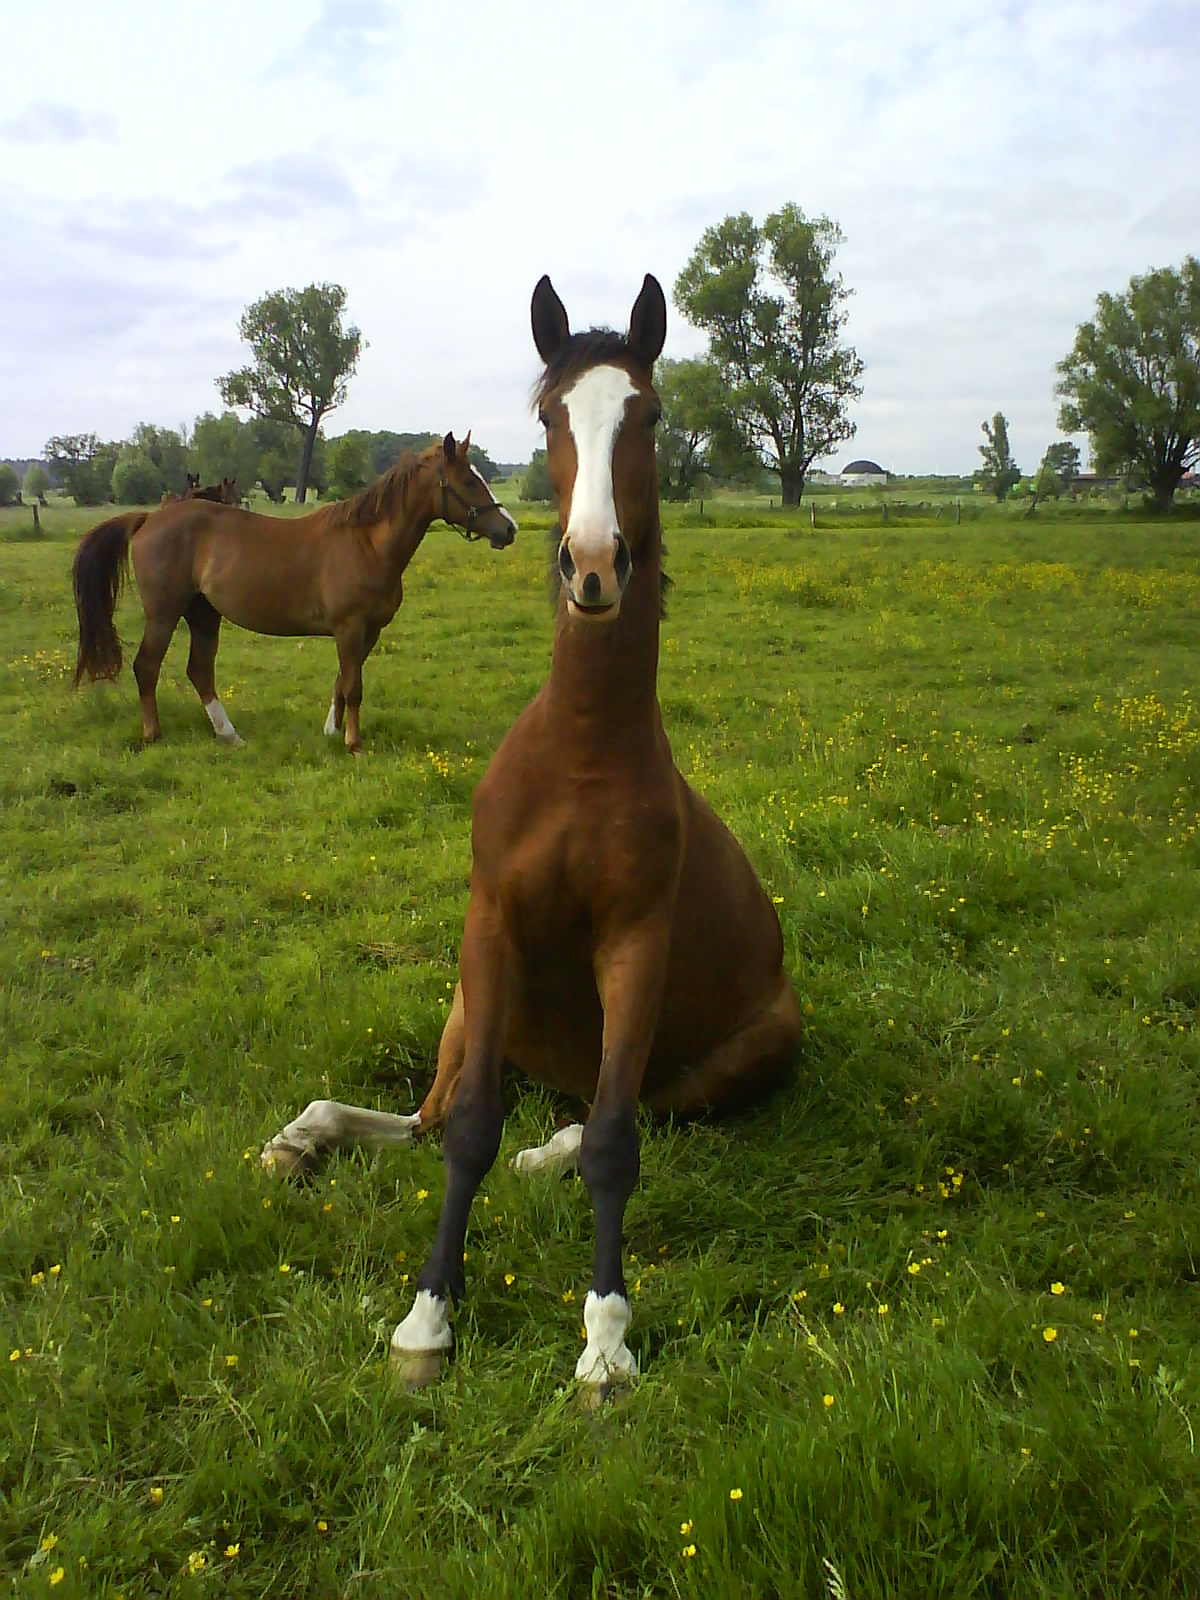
924	1325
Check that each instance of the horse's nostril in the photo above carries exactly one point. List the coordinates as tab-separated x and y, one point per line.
622	561
565	564
591	588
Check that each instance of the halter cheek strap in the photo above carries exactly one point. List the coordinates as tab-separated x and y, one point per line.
467	532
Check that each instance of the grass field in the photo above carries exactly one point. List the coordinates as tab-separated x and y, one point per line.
924	1326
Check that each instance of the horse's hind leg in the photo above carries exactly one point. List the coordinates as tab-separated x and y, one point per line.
326	1125
742	1068
354	645
146	666
337	709
204	621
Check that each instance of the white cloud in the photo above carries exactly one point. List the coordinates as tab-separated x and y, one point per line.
992	171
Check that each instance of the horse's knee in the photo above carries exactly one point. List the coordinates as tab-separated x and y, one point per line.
472	1137
609	1156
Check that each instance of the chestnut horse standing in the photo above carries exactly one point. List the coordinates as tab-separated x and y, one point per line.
618	946
336	571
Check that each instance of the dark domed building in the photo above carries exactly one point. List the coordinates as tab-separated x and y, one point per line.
862	472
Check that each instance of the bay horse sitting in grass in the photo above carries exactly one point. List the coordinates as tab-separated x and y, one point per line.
618	946
334	572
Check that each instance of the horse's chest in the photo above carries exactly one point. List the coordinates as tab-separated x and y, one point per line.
566	876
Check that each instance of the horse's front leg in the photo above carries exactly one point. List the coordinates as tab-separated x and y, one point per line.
421	1343
630	972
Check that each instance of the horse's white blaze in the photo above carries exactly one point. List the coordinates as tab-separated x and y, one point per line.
425	1328
222	727
479	477
331	727
606	1357
559	1154
595	407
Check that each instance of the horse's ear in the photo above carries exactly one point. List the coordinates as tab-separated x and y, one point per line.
648	322
551	330
466	444
449	446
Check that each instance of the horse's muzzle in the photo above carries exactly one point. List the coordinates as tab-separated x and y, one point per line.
595	584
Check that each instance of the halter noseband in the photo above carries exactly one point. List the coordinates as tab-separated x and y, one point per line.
472	512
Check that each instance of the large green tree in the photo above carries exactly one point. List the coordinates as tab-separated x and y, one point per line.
10	485
136	479
535	482
1132	379
999	472
83	465
304	358
227	447
774	310
37	481
167	448
1062	457
693	416
349	463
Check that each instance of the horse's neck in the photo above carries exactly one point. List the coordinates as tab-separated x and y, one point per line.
396	540
604	676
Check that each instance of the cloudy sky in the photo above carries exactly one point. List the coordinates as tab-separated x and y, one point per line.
993	168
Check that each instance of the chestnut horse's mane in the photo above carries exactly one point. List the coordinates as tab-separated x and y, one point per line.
382	500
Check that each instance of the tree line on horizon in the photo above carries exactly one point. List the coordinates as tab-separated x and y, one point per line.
260	452
770	395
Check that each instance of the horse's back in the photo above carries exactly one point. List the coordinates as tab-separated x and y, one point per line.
260	572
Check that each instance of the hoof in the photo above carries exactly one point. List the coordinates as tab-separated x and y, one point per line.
282	1158
417	1369
233	741
594	1396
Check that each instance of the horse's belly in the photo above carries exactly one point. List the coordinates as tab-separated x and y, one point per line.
261	595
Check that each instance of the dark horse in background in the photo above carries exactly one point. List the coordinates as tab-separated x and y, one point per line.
336	571
224	493
618	946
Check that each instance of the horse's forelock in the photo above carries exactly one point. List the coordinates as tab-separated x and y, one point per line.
582	351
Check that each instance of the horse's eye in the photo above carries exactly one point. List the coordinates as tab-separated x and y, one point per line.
543	419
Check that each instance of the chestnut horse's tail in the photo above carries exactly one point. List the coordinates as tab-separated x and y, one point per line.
99	572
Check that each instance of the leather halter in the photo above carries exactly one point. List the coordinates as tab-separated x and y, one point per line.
472	512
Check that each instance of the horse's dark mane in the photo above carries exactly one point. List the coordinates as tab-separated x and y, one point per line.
591	348
380	500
